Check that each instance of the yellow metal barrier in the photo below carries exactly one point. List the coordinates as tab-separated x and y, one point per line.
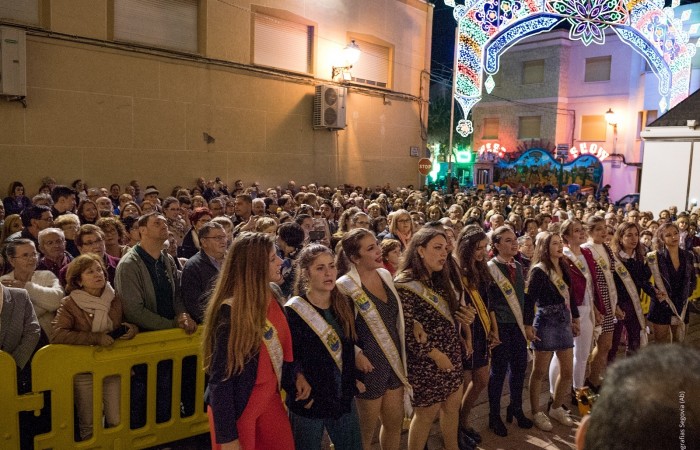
55	366
12	403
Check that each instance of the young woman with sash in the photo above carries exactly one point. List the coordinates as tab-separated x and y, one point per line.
633	274
434	366
605	281
584	292
552	328
323	332
248	352
506	301
471	252
674	277
381	350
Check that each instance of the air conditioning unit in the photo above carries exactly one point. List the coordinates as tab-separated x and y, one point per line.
13	62
329	107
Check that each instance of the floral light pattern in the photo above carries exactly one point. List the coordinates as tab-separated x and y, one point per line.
590	18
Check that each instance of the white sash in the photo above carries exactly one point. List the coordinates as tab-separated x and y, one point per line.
633	292
607	273
558	283
430	296
318	324
653	261
271	339
365	307
509	293
583	267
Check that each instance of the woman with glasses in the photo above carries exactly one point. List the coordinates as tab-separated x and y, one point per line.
44	290
400	228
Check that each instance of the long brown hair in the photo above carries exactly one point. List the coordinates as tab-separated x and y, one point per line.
412	268
339	303
244	281
475	271
616	243
350	248
543	256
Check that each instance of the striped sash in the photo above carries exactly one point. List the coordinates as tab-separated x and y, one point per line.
318	324
508	292
271	339
652	259
430	296
633	292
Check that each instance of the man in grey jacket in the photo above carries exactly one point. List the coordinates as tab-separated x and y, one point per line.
147	282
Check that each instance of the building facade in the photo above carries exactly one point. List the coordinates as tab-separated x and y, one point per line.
167	91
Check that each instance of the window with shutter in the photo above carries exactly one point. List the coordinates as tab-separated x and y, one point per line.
529	127
597	69
282	43
25	11
160	23
490	128
374	66
593	128
533	72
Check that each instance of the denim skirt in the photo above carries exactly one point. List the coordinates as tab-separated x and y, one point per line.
553	327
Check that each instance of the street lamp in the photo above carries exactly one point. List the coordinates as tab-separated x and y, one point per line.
351	53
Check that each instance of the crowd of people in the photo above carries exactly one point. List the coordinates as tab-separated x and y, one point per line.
364	305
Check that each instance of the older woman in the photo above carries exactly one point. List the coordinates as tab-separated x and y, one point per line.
87	212
434	366
52	245
130	209
400	228
43	287
69	224
190	243
91	314
16	200
115	235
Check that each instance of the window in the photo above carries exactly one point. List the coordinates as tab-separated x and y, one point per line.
375	63
593	128
26	11
644	118
269	32
490	128
160	23
598	69
529	127
533	72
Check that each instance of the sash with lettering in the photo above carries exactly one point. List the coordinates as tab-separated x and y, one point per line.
678	319
558	283
318	324
633	292
365	307
479	304
430	296
609	280
271	339
509	293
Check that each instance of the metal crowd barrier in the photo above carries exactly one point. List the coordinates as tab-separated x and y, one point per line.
54	368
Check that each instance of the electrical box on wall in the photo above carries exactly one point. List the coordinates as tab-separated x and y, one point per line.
329	107
13	62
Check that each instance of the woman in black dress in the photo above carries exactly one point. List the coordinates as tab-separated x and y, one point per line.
379	323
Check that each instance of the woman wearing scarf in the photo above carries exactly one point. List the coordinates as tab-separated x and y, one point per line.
400	228
88	316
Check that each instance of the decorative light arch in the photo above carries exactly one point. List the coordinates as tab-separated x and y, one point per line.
487	28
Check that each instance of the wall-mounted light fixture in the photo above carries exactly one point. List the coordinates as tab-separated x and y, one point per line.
351	53
611	118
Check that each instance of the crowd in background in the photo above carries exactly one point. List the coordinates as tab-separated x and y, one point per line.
370	301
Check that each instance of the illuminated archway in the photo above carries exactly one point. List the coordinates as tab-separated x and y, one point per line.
487	28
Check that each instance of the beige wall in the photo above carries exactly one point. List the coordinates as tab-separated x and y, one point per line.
108	114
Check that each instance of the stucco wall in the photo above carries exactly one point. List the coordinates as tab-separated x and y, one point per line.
110	114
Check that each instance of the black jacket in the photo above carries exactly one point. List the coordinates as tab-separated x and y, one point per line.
196	282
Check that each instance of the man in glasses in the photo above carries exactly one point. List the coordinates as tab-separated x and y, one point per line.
35	218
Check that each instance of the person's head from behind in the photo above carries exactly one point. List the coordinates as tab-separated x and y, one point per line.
244	284
290	237
648	401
